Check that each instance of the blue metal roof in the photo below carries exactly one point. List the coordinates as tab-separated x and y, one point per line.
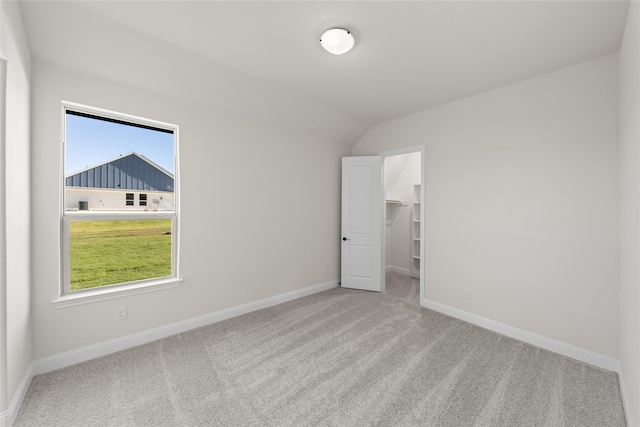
129	172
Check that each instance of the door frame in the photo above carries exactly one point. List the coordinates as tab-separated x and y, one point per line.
407	150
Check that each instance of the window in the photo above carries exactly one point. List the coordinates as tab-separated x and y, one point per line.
107	244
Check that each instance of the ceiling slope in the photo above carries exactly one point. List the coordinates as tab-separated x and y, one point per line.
72	37
262	59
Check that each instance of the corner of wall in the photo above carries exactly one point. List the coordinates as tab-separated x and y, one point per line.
629	131
15	223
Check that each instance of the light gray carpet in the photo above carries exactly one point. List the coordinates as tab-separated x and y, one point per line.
337	358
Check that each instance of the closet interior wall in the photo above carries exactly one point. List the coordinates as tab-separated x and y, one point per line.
402	174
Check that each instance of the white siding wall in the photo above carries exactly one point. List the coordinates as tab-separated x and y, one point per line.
101	199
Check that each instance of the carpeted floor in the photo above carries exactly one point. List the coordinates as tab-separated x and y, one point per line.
337	358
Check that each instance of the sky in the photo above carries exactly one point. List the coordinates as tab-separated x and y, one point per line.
90	142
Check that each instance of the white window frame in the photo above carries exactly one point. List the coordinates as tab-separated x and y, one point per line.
70	298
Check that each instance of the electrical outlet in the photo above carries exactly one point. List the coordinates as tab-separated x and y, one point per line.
324	269
121	313
465	294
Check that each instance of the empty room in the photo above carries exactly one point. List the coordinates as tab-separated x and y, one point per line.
300	213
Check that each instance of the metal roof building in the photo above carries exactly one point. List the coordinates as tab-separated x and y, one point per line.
128	172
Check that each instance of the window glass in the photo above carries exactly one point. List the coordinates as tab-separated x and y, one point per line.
117	251
105	158
109	158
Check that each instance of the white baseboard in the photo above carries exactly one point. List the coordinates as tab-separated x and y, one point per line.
406	272
569	350
625	401
8	417
73	357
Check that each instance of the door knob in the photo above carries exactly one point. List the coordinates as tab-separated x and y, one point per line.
345	239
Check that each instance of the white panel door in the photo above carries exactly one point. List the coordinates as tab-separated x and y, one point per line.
362	204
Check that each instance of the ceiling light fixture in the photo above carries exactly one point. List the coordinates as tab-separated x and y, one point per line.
337	41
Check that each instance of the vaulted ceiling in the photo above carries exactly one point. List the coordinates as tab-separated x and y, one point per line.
263	60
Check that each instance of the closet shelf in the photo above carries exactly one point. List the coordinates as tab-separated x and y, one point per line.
415	231
393	206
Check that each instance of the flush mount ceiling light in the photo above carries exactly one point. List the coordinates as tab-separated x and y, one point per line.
337	41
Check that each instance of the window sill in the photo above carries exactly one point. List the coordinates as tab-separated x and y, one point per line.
97	295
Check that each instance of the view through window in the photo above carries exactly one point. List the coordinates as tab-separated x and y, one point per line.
119	214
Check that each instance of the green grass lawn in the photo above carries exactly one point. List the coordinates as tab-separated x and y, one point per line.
109	252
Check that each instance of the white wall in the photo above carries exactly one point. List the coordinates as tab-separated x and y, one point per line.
630	213
259	206
102	199
522	202
406	173
15	314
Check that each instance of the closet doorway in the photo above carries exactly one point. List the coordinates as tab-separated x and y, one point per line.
403	236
